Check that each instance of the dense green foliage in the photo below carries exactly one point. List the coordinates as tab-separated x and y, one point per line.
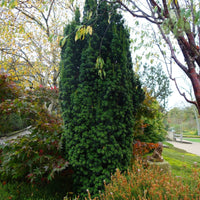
149	126
182	182
99	98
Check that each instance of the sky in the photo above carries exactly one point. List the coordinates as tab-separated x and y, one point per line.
176	100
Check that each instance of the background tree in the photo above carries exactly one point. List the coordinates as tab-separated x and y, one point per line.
182	120
192	112
178	23
29	39
195	111
157	83
149	126
100	95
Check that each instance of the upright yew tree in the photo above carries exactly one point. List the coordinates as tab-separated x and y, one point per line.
100	95
178	22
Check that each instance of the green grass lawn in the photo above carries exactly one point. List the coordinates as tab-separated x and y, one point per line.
192	139
182	163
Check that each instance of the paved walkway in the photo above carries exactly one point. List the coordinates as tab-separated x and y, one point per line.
192	147
25	131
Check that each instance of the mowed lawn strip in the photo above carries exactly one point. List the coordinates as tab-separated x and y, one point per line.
193	140
182	163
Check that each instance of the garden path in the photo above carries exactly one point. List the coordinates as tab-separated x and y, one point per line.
17	134
191	147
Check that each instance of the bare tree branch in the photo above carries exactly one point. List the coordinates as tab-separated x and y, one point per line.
173	55
179	28
31	17
183	94
147	17
25	58
155	5
51	6
166	11
10	51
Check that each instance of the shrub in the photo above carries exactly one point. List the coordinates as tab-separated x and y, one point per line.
5	195
142	148
16	114
20	112
150	184
46	97
38	157
35	157
149	126
11	118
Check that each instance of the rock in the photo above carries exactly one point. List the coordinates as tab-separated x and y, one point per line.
157	154
164	165
165	146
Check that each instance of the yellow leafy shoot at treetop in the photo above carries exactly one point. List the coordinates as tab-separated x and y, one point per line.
170	1
82	31
89	30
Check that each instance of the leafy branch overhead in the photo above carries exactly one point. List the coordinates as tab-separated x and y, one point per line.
99	66
10	4
170	1
82	31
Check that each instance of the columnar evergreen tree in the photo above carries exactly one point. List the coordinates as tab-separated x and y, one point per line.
70	62
98	101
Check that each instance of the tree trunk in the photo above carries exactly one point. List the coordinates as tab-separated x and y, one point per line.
194	77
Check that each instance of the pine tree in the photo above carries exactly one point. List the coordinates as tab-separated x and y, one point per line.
100	102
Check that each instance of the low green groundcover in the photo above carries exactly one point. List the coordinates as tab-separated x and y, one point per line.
193	139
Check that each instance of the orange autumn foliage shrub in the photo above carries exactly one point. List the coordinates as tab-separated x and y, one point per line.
150	183
142	148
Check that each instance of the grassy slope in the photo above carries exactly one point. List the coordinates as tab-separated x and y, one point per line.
182	163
